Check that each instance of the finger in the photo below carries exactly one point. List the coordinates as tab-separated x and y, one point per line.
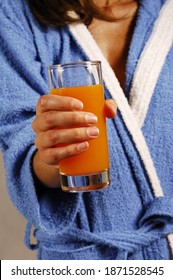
52	119
65	136
110	108
58	103
52	156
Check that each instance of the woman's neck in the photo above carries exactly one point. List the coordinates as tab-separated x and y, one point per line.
114	38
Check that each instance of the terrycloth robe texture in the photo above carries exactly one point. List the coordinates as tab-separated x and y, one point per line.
123	221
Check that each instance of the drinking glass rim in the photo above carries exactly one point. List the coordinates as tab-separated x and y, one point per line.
75	64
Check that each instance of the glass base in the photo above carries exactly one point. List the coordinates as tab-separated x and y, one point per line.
85	183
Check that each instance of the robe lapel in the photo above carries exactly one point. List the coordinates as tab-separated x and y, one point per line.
151	62
88	44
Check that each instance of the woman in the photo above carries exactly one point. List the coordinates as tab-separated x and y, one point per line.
133	217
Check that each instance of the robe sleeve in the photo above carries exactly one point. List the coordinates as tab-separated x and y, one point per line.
22	83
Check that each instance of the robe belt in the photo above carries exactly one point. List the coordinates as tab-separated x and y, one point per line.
156	223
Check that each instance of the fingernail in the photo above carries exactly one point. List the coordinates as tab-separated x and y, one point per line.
91	118
93	132
82	146
42	101
77	105
114	108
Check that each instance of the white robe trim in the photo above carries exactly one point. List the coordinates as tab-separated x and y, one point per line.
145	79
151	62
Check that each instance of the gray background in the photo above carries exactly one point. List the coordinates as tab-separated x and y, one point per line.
12	226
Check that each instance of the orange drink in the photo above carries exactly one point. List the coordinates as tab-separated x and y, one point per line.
95	159
82	80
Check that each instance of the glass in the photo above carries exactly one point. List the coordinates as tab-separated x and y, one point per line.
88	171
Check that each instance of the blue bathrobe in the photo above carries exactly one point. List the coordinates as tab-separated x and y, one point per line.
125	220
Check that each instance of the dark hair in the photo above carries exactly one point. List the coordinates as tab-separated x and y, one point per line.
57	13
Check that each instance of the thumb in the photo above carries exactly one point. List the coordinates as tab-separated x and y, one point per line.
110	108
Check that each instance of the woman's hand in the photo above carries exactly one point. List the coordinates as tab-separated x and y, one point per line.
63	129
